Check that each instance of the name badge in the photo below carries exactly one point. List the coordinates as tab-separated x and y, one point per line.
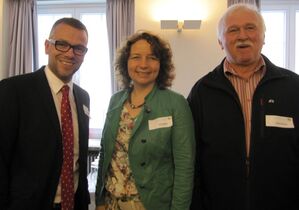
161	122
279	121
86	110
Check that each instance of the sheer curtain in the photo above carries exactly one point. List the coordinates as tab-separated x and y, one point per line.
22	47
255	2
120	25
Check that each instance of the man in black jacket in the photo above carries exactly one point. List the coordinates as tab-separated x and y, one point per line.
246	114
32	141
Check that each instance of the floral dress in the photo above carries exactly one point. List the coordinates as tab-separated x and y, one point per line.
120	183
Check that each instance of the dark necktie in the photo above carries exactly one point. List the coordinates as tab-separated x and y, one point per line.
67	174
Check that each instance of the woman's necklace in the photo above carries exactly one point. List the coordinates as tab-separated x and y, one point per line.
133	106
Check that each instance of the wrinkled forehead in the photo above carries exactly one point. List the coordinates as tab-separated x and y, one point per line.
241	17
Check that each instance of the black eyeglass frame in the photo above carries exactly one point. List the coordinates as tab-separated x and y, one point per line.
77	49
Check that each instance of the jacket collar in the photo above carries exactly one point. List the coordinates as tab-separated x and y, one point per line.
114	112
151	94
217	79
125	96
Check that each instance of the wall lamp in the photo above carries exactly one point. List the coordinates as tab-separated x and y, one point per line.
179	26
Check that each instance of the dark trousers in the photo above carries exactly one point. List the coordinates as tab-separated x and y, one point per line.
56	206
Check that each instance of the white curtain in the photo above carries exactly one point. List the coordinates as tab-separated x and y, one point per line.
120	25
22	47
255	2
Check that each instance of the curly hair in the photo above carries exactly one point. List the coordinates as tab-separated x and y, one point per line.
160	48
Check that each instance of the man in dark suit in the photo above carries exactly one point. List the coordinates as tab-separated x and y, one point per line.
32	141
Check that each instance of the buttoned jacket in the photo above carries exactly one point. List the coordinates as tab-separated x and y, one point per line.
161	158
31	144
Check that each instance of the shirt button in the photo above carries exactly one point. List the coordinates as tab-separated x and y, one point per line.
143	140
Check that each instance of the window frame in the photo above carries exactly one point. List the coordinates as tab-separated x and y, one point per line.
290	7
74	7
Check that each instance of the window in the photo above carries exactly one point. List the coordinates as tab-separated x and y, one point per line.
94	73
275	46
282	32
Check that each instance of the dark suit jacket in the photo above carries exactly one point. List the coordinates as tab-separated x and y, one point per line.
31	144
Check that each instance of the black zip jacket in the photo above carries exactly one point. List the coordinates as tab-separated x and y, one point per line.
224	178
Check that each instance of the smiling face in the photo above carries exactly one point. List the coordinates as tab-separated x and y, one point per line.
143	65
242	38
65	64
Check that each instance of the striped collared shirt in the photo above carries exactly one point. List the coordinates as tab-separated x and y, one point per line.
245	88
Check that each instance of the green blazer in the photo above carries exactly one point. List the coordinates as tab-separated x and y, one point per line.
161	150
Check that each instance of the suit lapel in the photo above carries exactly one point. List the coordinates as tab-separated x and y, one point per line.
142	117
81	118
113	117
44	91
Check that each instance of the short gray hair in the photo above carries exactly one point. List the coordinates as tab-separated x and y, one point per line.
235	7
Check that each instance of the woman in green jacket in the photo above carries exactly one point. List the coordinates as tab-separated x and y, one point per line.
147	146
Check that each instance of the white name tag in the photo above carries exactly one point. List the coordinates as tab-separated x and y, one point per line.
161	122
279	121
86	110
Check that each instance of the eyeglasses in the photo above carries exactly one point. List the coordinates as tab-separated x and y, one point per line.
63	46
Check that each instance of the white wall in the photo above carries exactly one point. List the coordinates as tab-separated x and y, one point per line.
3	35
1	39
196	52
